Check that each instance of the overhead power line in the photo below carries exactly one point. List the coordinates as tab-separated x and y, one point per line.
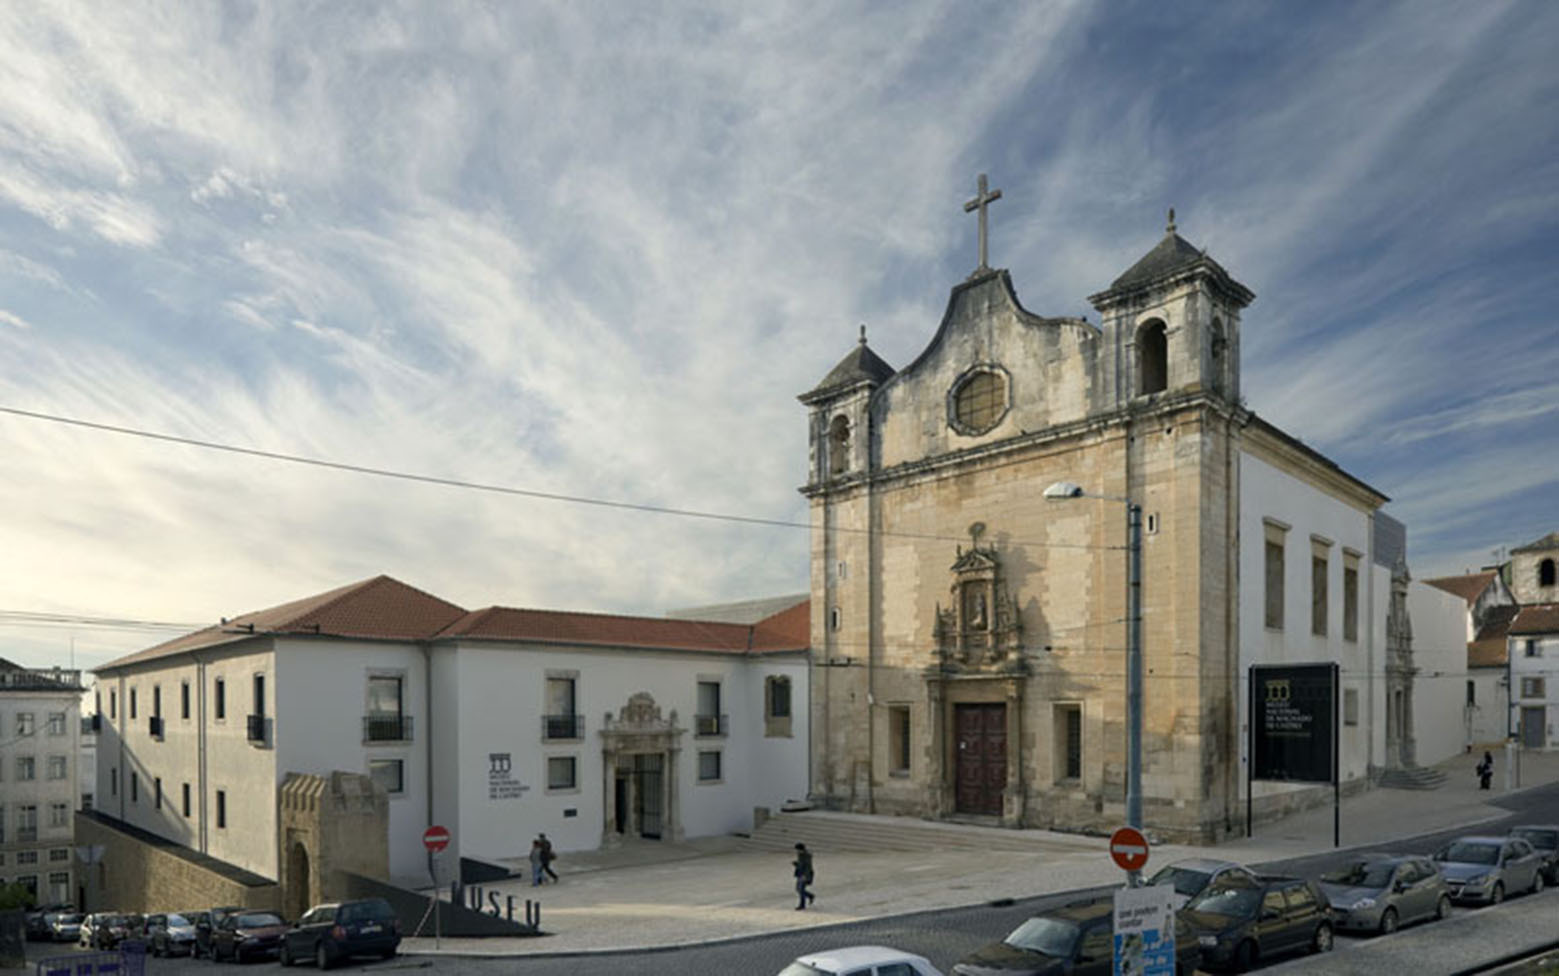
550	496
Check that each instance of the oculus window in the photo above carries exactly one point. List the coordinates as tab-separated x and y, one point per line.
978	400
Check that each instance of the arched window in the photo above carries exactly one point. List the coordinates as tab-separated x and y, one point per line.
839	446
1152	358
1545	573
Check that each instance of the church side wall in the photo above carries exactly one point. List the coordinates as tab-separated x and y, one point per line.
1270	495
1440	687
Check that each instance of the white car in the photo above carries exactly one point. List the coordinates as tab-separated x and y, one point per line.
861	961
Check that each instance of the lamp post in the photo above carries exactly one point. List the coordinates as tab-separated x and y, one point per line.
1061	491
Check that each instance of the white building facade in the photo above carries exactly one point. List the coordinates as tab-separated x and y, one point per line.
496	724
40	727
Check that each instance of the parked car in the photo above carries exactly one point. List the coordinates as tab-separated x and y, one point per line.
247	935
206	921
1192	875
170	935
102	930
1483	870
36	925
1544	839
330	933
65	926
1379	892
867	960
1241	921
1076	939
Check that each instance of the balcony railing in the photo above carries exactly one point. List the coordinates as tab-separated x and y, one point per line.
554	727
707	725
154	726
386	728
91	724
257	729
26	835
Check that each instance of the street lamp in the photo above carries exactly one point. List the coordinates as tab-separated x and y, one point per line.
1062	491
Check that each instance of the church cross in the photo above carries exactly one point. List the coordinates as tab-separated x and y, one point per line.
984	198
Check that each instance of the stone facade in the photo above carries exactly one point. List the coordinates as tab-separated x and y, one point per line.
139	872
968	635
330	826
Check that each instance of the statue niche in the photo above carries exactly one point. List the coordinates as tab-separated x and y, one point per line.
980	631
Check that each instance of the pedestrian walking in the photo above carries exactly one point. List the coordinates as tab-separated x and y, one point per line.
1486	771
547	857
803	871
537	864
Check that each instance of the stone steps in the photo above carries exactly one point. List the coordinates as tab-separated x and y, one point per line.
1412	778
839	832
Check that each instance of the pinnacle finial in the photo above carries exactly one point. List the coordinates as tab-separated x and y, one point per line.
1171	228
863	333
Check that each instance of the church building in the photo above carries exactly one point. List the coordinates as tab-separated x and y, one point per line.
968	627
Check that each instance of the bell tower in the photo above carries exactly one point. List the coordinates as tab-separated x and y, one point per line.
1172	325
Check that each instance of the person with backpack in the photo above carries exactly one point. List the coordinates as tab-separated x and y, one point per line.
547	857
803	871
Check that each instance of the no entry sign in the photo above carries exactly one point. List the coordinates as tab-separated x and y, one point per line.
435	839
1129	849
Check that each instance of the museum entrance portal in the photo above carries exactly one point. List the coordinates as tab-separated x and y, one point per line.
981	744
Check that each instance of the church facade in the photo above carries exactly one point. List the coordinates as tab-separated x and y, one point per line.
968	631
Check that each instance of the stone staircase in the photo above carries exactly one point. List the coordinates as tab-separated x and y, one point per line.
1412	778
832	832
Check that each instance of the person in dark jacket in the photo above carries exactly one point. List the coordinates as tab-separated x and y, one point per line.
1486	771
547	857
803	872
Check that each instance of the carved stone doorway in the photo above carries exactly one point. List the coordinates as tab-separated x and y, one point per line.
640	752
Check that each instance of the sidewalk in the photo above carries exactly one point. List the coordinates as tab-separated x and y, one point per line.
651	895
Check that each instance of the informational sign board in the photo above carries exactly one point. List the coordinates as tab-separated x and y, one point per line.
1293	714
1129	849
502	784
1145	931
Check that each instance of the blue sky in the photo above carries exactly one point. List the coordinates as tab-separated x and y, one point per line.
597	249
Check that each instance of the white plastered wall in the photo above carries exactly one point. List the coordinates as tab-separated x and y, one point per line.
1440	687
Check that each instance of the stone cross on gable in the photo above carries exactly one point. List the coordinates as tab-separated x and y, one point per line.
982	199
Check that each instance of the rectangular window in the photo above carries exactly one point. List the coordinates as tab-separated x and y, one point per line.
59	815
24	723
86	801
1068	738
1318	596
27	823
898	739
26	857
709	767
1350	706
59	886
60	854
185	798
184	699
561	773
560	696
157	701
135	786
259	694
779	697
1274	615
384	695
388	773
59	767
219	699
221	809
132	701
1531	649
56	723
1350	599
561	718
158	783
26	768
113	703
113	781
29	883
1472	693
1533	688
707	721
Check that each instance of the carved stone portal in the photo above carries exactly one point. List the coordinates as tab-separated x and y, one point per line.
641	753
981	630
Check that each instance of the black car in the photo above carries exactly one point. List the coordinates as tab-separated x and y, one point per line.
1242	920
330	933
1075	940
247	935
1544	839
206	922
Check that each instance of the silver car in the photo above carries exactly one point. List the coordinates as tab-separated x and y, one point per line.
1191	876
1483	870
1379	892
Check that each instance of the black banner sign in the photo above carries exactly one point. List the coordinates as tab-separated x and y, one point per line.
1293	715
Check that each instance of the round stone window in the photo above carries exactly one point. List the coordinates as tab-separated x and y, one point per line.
978	400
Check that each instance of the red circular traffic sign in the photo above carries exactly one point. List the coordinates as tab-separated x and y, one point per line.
1129	849
435	839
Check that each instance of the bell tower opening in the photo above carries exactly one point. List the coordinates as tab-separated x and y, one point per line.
838	446
1152	358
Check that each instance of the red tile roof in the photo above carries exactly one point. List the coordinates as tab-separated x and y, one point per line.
1486	653
1538	618
1468	587
383	608
380	608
